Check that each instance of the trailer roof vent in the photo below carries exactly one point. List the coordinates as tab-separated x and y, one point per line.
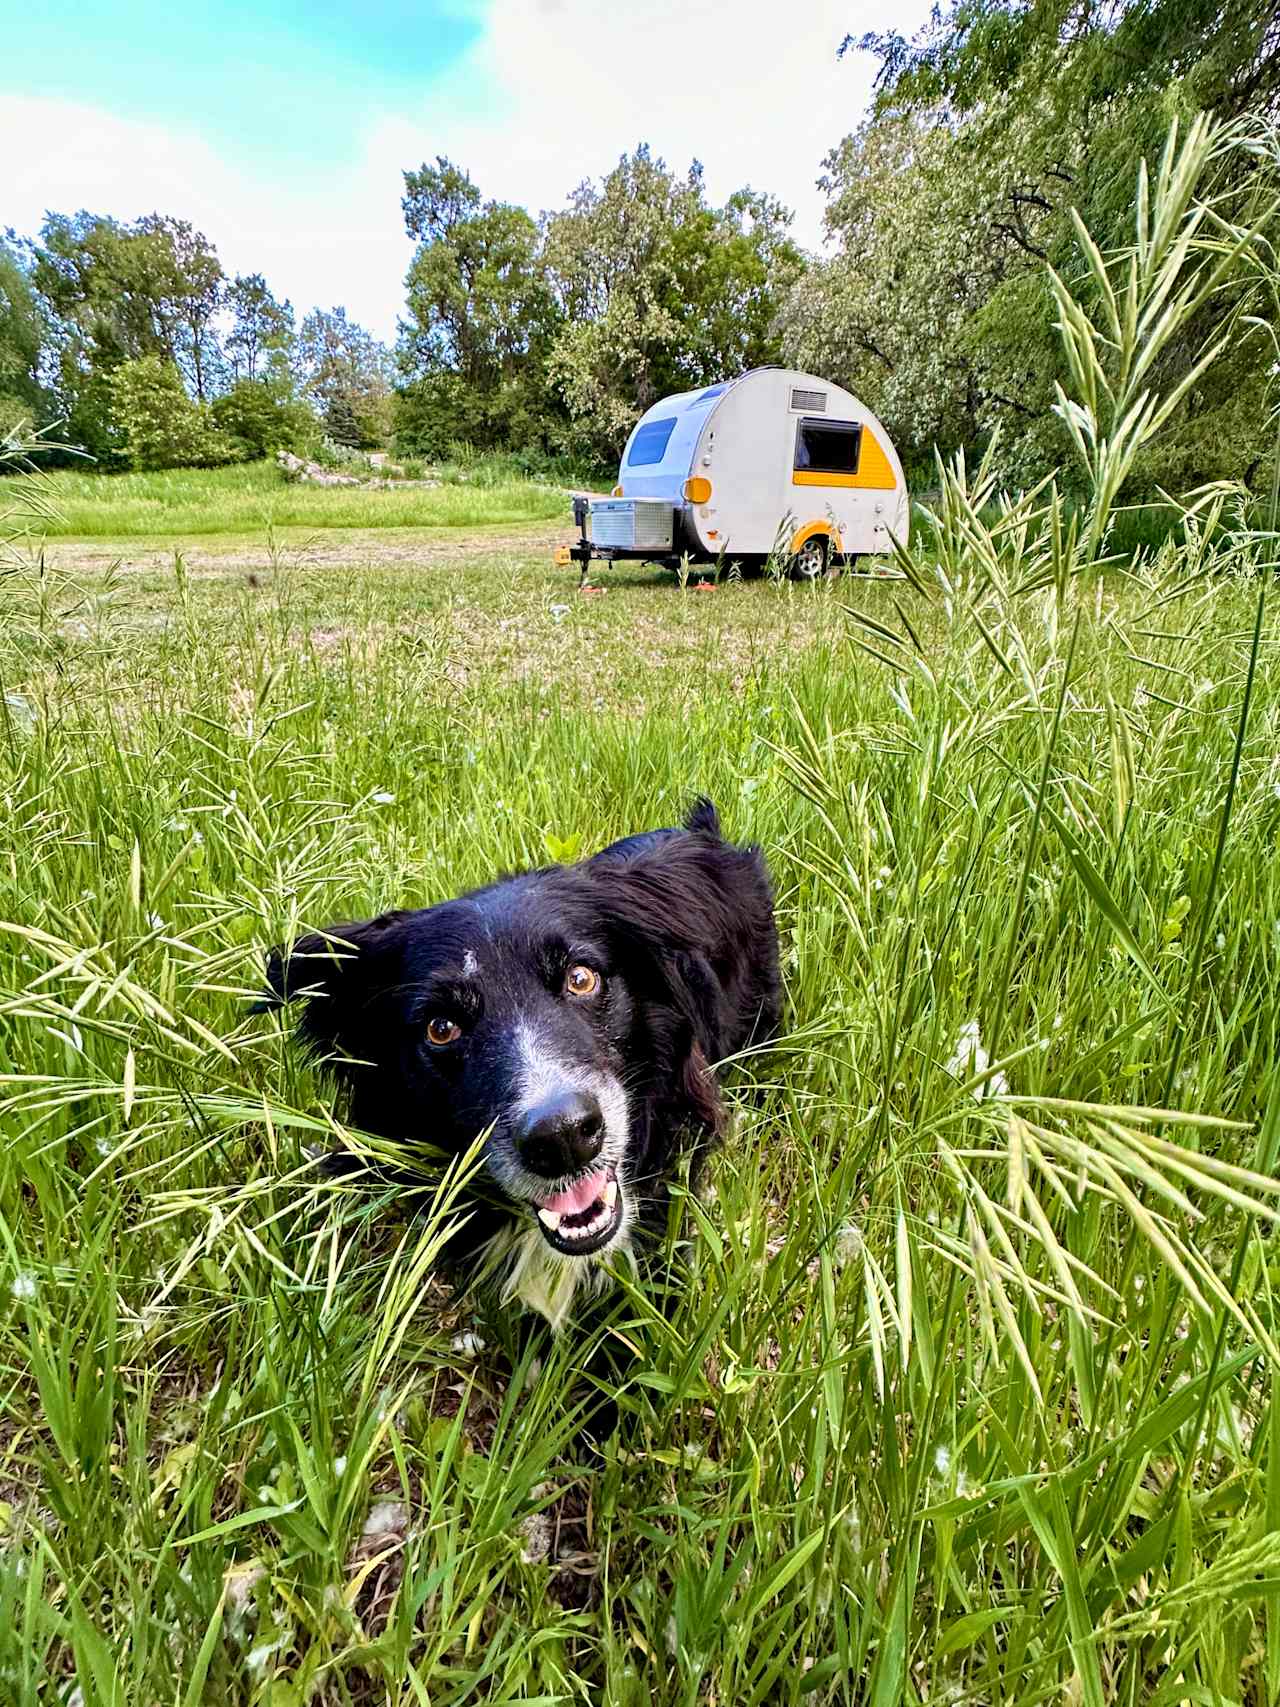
811	402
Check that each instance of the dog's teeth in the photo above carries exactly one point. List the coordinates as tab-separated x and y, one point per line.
549	1218
611	1194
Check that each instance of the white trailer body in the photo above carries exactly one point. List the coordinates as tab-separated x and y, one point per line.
774	462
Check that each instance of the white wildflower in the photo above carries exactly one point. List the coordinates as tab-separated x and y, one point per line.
538	1537
24	1286
256	1659
942	1460
969	1059
387	1517
846	1247
22	711
340	1464
239	1581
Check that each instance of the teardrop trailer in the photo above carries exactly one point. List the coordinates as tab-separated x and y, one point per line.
776	463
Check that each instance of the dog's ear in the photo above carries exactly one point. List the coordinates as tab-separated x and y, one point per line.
335	971
679	894
671	911
703	819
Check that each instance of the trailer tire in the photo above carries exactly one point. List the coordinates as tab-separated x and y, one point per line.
810	562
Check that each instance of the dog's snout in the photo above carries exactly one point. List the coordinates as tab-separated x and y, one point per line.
562	1134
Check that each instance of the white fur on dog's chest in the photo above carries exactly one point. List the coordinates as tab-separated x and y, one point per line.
543	1280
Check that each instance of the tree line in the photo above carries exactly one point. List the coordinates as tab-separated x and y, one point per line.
992	133
135	344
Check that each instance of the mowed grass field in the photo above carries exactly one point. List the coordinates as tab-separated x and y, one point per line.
967	1390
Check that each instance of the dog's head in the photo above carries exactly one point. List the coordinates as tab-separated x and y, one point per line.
568	1013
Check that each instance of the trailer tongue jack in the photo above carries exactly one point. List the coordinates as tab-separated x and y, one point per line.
581	552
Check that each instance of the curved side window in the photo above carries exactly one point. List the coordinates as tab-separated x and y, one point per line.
650	442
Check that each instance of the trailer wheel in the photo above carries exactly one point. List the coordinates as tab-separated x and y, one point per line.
810	562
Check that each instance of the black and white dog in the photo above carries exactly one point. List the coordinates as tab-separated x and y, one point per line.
575	1014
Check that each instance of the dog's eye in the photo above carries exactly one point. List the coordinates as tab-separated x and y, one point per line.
442	1031
581	981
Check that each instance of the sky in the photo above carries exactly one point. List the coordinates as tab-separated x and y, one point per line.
281	130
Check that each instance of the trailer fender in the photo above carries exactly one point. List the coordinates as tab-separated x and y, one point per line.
810	529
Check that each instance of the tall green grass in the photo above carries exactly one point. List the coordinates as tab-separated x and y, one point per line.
967	1386
252	496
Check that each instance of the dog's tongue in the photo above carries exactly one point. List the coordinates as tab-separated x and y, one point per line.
578	1196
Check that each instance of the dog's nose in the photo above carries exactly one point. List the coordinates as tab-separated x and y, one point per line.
561	1135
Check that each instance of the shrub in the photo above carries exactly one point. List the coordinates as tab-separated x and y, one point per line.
258	420
342	458
158	424
15	417
436	413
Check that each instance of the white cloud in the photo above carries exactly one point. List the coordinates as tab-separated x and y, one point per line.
325	240
552	92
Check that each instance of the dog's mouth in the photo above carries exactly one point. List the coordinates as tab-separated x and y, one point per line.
583	1217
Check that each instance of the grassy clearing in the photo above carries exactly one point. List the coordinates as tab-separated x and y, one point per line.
969	1391
867	1408
253	496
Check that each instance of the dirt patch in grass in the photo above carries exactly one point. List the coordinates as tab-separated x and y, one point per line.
335	548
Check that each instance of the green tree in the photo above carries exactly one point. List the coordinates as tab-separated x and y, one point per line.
993	128
258	417
346	374
119	293
24	337
156	423
659	291
187	263
1066	57
262	336
481	317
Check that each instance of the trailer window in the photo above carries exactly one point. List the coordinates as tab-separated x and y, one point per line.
650	443
828	447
